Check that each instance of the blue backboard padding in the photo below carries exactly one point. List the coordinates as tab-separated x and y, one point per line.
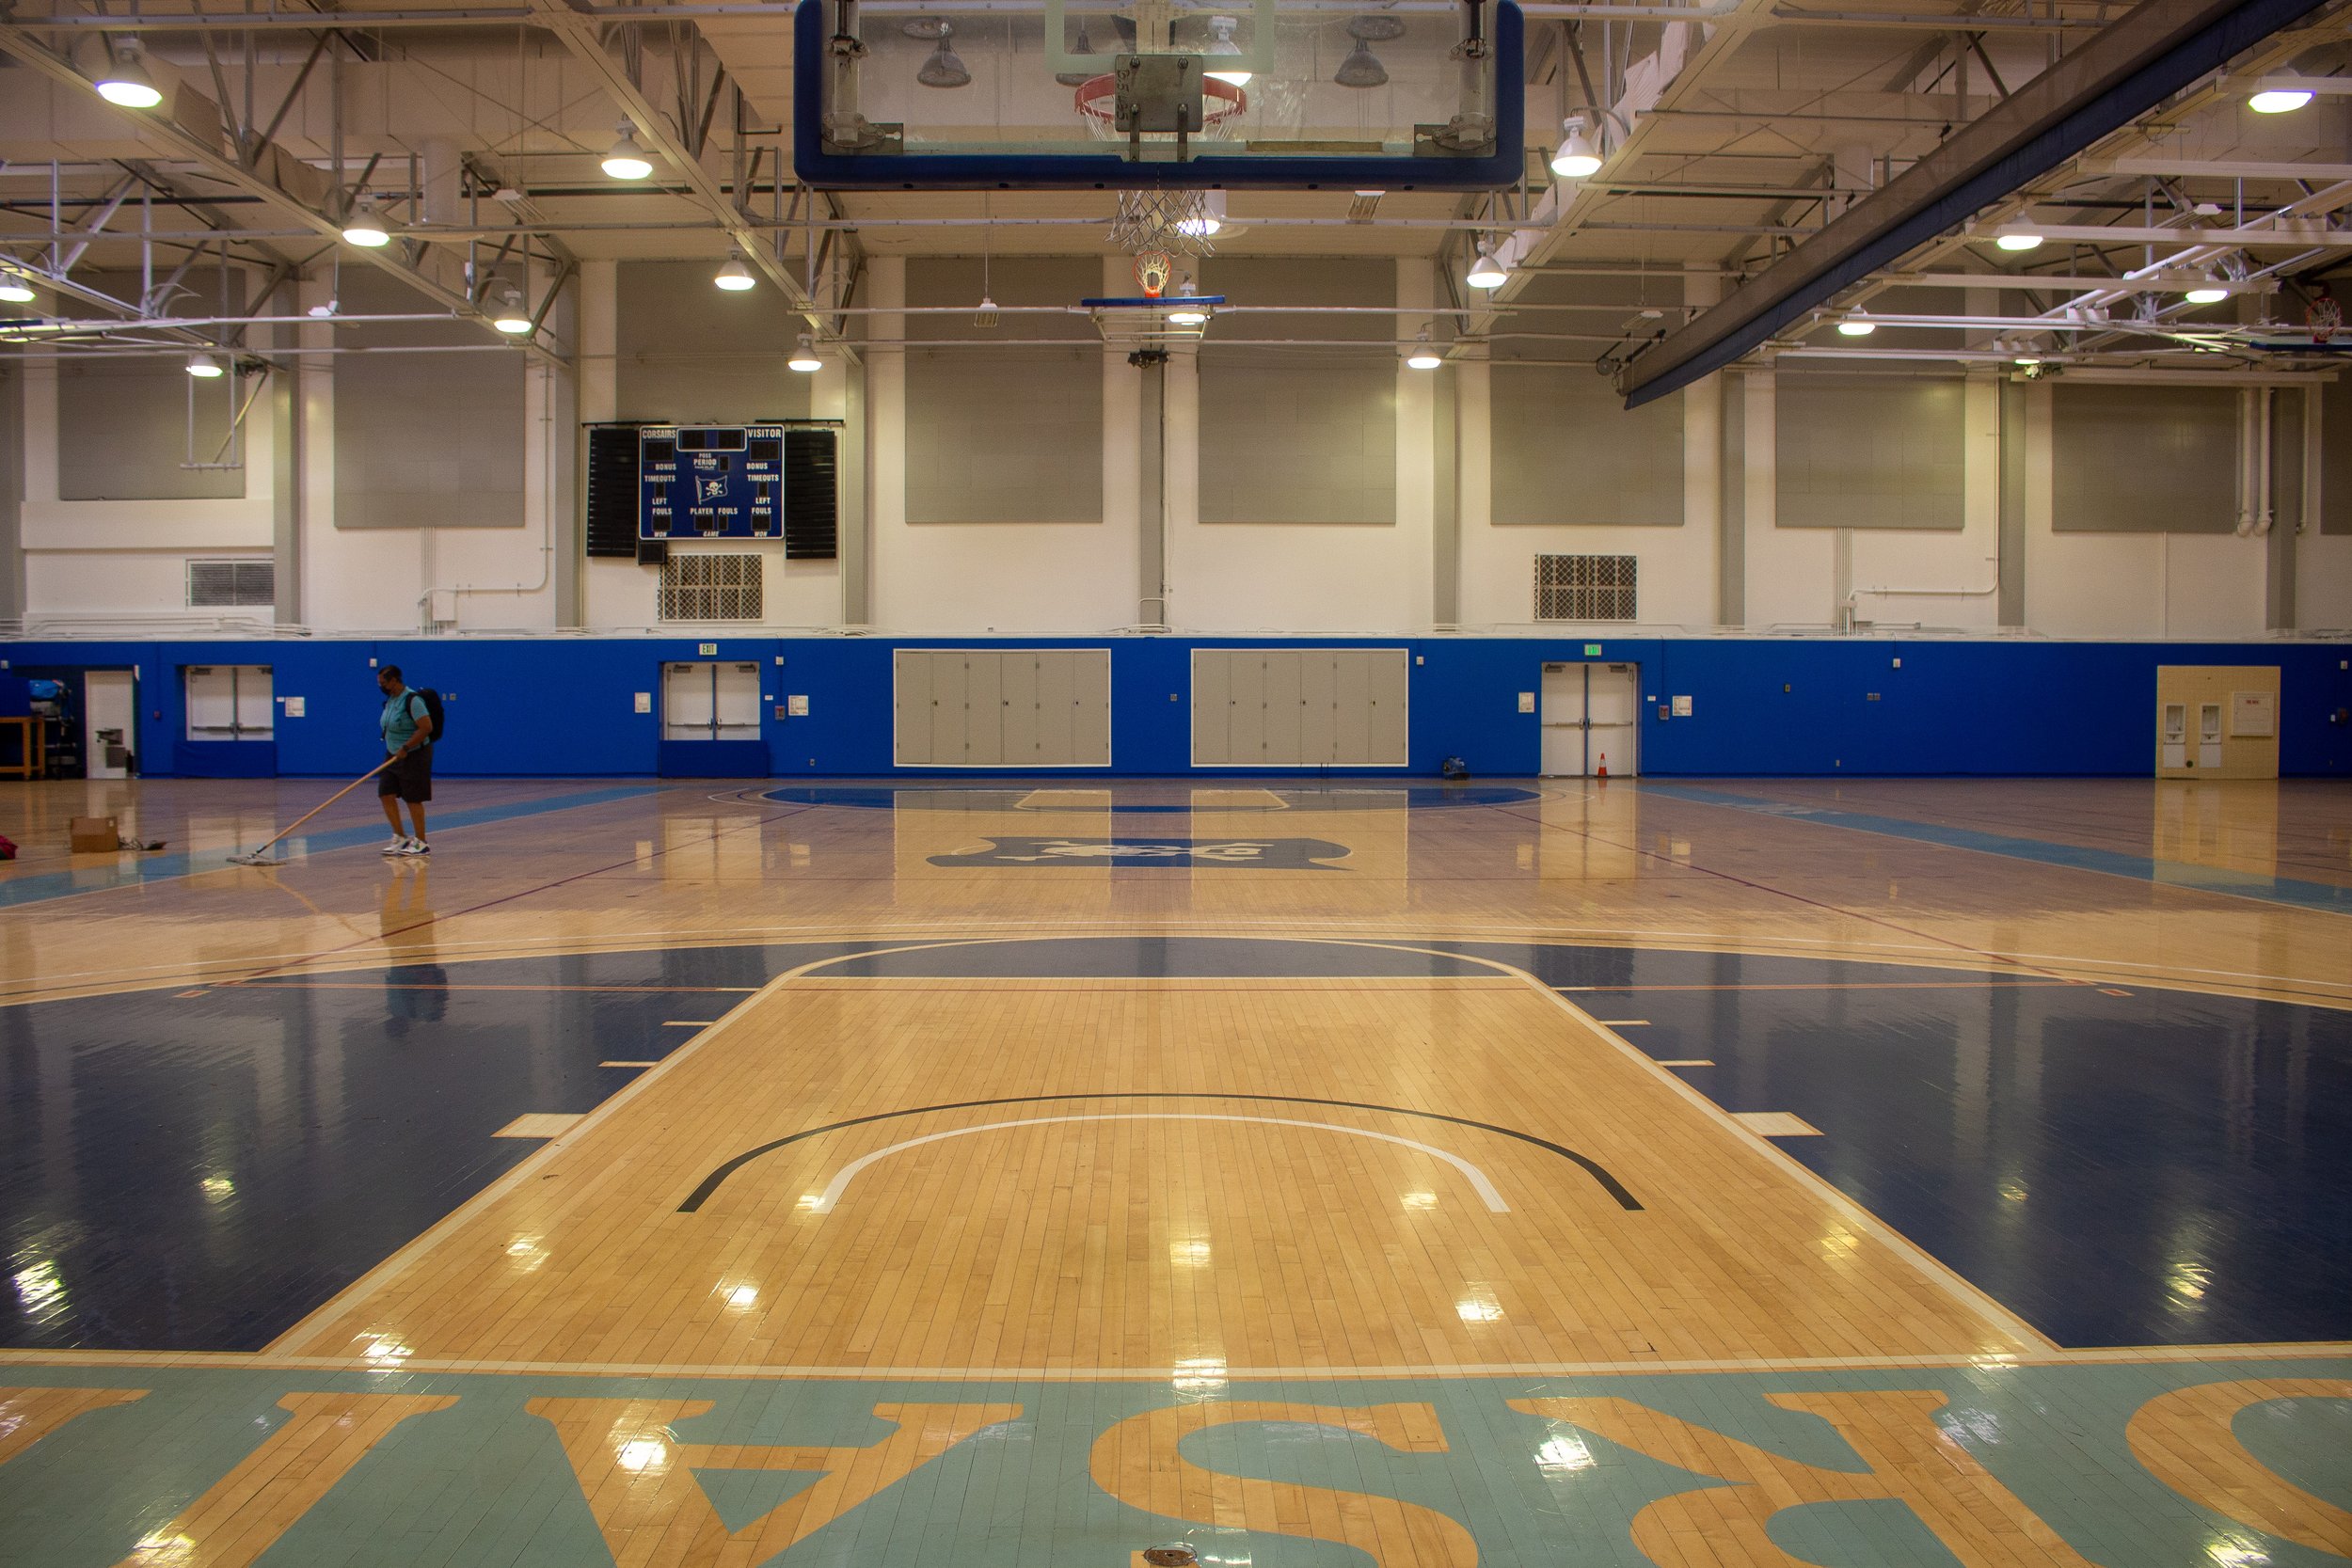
1108	170
1796	707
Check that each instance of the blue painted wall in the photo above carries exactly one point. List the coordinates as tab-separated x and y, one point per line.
1760	706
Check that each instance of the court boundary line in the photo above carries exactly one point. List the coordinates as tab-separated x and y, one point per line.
1613	938
247	1361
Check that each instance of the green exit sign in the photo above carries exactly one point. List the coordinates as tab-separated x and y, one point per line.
1592	650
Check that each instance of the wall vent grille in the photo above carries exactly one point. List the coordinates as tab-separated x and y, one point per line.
1584	588
710	588
227	584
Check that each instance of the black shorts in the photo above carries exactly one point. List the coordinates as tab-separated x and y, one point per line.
409	777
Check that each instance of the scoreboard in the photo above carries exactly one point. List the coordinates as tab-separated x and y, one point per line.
710	482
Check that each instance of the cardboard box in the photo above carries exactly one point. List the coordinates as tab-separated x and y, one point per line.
91	835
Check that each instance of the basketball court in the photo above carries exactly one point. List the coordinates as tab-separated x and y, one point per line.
1300	784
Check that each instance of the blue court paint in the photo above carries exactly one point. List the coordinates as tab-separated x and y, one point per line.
1130	799
2333	897
130	869
2157	1167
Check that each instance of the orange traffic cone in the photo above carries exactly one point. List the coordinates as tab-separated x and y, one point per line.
1604	765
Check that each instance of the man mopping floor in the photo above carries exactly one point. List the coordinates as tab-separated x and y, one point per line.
407	725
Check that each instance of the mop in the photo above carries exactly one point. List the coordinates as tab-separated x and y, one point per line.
255	857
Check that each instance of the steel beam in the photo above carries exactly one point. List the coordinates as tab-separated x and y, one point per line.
2158	49
167	128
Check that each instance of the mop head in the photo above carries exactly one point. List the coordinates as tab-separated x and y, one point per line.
256	857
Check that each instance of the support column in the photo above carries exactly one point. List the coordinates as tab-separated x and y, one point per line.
2288	487
1445	524
885	425
1703	441
2011	548
11	491
1152	494
1418	436
1731	515
286	498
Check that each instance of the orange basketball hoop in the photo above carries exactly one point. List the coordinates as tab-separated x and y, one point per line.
1098	100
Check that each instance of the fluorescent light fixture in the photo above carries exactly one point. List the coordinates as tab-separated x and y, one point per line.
1221	42
2017	236
2027	360
1486	272
1212	217
125	82
1577	157
804	357
507	312
205	367
363	228
735	276
1857	324
628	161
15	290
2278	101
1424	355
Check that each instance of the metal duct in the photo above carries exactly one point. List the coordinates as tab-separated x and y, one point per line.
2158	49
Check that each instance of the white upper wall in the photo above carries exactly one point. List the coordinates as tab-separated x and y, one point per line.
125	561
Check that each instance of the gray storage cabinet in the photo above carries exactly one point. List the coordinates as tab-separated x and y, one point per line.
1299	707
1002	708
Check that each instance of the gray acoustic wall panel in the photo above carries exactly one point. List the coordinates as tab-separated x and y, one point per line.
2335	462
692	353
1306	435
123	424
1004	434
1876	451
1299	707
2143	459
1002	708
1565	451
423	440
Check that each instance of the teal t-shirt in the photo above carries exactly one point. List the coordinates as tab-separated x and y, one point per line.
401	712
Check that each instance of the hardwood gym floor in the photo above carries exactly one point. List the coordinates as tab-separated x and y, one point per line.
1797	1171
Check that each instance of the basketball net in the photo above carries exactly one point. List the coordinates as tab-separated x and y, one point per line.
1172	221
1151	270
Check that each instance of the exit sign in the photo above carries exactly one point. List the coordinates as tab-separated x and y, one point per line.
710	650
1592	650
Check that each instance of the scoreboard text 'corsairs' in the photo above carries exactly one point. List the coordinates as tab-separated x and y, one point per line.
710	482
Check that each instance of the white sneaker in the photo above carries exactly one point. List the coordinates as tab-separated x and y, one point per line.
398	844
414	846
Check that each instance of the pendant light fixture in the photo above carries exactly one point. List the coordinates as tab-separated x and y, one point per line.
1486	272
944	68
508	312
628	161
1577	158
1221	42
1423	355
125	82
206	367
804	357
364	226
735	276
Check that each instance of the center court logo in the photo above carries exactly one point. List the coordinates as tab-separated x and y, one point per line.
1278	854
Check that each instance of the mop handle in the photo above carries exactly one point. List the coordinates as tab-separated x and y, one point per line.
323	805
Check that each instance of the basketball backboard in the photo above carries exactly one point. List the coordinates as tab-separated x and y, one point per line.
1135	94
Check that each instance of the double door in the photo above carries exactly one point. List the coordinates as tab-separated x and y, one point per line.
1592	721
710	701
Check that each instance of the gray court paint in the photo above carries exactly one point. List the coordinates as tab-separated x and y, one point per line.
1171	854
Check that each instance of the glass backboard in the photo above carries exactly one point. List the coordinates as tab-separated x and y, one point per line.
1095	94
